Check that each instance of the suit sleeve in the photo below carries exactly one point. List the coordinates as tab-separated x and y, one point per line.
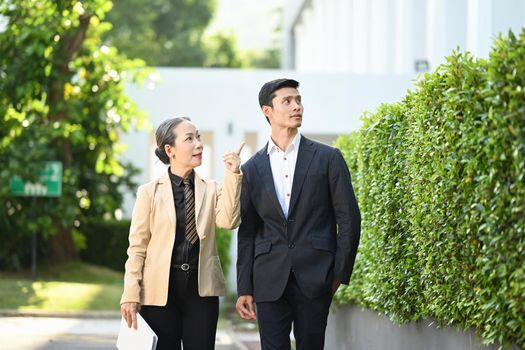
139	237
227	208
250	222
347	216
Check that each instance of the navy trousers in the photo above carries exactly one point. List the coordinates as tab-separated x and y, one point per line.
308	316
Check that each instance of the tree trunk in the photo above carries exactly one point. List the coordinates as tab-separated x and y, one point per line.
62	245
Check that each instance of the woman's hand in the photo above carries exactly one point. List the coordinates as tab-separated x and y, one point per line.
232	160
129	312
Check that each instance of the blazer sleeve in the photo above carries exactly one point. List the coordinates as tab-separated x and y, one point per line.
250	222
139	237
347	216
227	208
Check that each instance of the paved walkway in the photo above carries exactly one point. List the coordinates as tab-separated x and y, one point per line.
39	331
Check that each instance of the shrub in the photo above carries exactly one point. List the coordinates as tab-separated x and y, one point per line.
107	243
440	183
223	238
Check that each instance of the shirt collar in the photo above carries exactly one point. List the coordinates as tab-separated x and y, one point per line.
177	180
293	146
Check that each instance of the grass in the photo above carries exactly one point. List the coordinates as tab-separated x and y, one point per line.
72	286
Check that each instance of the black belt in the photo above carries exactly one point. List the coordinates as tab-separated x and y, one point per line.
185	267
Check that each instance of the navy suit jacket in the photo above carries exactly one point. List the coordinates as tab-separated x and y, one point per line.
319	238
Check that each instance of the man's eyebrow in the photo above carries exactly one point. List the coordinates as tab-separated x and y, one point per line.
290	96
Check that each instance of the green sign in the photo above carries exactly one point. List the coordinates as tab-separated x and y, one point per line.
49	184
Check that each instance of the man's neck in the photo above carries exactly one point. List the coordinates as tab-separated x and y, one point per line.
284	137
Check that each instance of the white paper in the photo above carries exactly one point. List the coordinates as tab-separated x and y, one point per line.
142	338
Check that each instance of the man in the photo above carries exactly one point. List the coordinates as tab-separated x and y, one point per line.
300	227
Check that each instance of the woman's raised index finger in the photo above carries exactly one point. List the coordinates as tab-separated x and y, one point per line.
240	148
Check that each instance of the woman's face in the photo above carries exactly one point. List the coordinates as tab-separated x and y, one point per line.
187	153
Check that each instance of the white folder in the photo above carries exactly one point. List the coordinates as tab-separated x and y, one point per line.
142	338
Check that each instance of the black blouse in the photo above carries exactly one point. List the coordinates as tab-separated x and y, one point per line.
183	250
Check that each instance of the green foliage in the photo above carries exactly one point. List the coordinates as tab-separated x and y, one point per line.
170	33
173	33
440	182
161	32
223	239
269	58
222	51
106	243
61	98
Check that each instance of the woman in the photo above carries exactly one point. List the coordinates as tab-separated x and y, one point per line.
173	273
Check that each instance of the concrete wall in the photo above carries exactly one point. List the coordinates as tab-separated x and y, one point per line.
352	328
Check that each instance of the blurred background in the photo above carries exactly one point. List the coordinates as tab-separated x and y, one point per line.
84	84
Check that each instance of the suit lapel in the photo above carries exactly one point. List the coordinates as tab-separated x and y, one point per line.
200	191
264	170
165	192
304	158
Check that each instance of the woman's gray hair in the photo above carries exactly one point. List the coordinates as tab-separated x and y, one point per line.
165	135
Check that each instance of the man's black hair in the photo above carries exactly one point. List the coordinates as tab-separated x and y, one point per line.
267	92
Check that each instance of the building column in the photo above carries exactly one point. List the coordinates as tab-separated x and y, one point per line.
345	35
404	32
381	36
360	36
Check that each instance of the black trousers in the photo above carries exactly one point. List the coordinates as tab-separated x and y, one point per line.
187	318
309	318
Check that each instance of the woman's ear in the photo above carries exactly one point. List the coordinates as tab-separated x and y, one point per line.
167	149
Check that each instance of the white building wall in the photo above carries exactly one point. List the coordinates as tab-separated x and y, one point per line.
224	103
344	38
389	36
508	14
360	36
479	24
404	29
380	28
224	106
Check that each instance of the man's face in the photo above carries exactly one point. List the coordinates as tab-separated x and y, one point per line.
287	110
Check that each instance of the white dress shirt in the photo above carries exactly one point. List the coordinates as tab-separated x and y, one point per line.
283	169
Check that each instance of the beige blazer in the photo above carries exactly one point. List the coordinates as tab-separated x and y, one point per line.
152	235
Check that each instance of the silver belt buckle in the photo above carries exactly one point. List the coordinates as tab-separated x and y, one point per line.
185	267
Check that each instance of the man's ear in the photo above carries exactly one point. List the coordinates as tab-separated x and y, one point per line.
266	110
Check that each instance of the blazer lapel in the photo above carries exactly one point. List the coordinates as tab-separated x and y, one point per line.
165	192
265	174
304	158
200	192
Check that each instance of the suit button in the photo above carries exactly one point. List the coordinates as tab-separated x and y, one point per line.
291	245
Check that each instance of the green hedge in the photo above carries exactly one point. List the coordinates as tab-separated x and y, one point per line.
440	182
106	243
223	239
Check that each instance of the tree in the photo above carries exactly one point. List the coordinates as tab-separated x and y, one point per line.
222	51
162	32
271	56
268	58
172	33
61	98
